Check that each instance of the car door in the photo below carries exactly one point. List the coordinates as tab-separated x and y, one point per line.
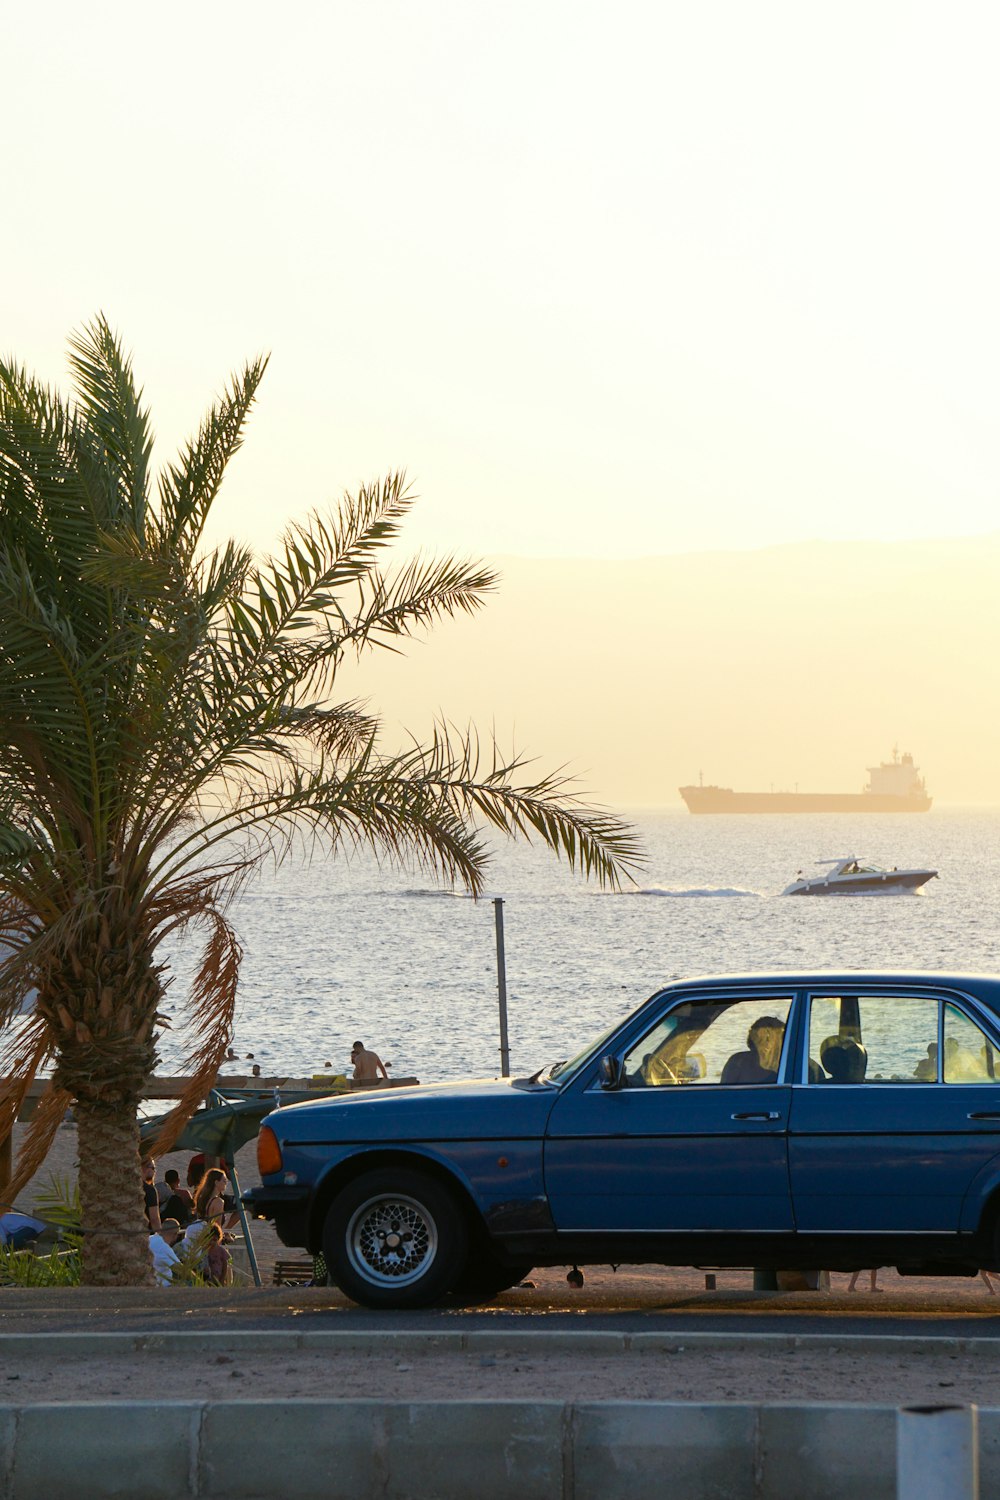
694	1138
894	1115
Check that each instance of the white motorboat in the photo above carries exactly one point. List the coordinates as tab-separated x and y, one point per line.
849	877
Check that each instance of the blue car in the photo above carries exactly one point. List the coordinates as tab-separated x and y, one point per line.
840	1120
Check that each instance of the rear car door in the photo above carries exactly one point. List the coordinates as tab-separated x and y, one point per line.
695	1137
895	1113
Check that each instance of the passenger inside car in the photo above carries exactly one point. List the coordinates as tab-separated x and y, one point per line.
926	1069
759	1063
844	1058
960	1066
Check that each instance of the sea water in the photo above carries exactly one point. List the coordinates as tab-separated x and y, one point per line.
339	950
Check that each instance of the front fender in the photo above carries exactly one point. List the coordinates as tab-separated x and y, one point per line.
501	1181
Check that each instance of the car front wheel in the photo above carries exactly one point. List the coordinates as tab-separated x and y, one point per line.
395	1239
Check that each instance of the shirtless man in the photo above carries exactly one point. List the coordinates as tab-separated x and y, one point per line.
367	1065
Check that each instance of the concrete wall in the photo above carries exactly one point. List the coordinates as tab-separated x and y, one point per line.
546	1450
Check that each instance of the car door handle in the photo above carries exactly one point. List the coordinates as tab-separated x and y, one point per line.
771	1114
985	1114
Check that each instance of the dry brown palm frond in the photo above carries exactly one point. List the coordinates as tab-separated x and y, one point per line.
213	1004
17	977
21	1055
37	1143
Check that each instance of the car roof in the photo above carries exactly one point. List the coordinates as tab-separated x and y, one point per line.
986	986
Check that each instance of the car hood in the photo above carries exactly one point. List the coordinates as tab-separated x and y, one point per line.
500	1107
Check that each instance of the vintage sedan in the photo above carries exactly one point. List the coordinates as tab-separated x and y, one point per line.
841	1120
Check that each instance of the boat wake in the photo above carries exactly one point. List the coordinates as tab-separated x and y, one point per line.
690	891
418	893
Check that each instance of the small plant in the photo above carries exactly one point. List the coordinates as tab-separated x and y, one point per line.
58	1203
26	1268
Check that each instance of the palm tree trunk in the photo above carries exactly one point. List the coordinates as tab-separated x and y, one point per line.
101	993
116	1239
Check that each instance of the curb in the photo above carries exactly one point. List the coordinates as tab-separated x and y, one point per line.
483	1341
495	1450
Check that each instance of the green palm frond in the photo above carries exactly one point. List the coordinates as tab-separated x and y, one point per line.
189	486
115	423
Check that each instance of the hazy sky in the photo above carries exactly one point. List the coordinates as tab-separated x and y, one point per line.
797	665
617	279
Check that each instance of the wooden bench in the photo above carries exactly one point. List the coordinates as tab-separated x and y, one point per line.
293	1273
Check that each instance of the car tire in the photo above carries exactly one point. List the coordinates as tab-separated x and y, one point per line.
395	1238
486	1276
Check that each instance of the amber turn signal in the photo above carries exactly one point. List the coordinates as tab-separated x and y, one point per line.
268	1152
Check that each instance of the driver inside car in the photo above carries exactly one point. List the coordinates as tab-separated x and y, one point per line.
759	1063
674	1062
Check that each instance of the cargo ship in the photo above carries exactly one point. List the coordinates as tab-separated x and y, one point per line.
893	786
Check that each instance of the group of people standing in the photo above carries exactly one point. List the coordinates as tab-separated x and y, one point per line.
188	1224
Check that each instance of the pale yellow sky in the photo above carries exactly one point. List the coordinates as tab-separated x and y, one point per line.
617	279
798	665
623	280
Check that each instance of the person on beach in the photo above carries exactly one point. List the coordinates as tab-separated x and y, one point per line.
367	1065
195	1170
218	1263
163	1191
165	1257
151	1201
210	1199
180	1204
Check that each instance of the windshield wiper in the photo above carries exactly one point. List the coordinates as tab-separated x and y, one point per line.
548	1068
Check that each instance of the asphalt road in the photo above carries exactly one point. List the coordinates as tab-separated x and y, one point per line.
634	1299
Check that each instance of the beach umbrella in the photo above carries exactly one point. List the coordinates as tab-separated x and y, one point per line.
219	1130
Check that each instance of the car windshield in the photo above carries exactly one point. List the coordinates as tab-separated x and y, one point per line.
561	1069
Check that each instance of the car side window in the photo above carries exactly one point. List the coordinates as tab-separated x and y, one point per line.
873	1039
722	1040
969	1056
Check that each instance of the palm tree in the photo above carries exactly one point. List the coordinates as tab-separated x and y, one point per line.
168	720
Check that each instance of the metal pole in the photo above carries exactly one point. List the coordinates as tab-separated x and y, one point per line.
244	1221
502	988
937	1453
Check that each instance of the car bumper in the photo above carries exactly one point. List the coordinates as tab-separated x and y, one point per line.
287	1205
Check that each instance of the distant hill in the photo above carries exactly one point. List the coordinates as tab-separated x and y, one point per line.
795	664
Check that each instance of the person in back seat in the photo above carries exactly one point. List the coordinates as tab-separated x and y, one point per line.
844	1059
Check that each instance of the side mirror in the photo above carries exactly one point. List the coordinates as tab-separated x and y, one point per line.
610	1073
